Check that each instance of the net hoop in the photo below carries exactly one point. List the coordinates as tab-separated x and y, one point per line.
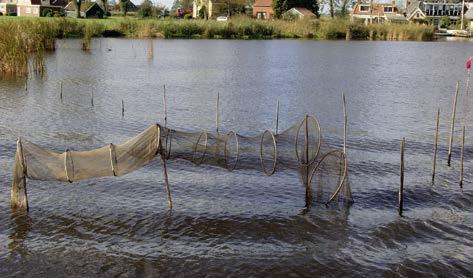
343	176
318	140
229	134
66	155
198	162
268	173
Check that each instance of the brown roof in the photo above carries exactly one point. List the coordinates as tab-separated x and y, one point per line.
304	11
263	3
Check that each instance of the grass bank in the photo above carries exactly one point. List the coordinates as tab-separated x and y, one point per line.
22	38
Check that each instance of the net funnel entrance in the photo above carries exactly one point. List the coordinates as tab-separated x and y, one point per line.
300	147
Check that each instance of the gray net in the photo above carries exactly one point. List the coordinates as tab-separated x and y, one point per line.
300	147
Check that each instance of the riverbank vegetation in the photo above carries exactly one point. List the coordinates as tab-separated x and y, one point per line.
22	37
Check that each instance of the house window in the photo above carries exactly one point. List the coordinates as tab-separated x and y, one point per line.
28	10
388	9
364	8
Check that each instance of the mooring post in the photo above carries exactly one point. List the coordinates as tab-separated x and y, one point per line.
462	157
123	108
401	185
277	118
435	145
452	126
165	107
26	83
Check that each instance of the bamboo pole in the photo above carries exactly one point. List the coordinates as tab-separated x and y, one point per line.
165	108
277	118
462	157
216	112
452	126
435	145
166	181
345	125
308	194
123	108
92	97
60	95
401	185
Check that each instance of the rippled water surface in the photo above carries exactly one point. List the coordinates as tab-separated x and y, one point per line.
242	222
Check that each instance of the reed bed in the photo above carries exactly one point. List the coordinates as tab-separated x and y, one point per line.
23	41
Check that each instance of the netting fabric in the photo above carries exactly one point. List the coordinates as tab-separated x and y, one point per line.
300	147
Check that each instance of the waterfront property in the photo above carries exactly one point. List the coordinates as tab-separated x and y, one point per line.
263	9
377	12
298	13
36	8
8	7
433	12
87	10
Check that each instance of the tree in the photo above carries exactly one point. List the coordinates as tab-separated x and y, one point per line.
344	8
105	7
77	5
146	9
124	7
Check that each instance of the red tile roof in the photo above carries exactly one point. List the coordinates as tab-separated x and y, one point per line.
263	3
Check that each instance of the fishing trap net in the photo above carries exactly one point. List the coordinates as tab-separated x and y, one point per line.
300	147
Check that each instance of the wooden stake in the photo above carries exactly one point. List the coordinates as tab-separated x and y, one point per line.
401	185
308	193
166	181
216	112
435	145
123	108
452	126
92	97
345	125
26	83
462	157
60	95
277	118
165	108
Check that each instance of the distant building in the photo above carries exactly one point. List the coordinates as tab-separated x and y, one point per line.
421	11
298	13
377	12
8	7
263	9
87	10
215	8
38	8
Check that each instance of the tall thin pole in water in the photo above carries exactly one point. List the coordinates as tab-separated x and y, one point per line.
92	97
277	118
216	112
166	181
468	83
308	193
26	83
165	106
462	157
60	95
452	126
345	124
123	108
435	145
401	185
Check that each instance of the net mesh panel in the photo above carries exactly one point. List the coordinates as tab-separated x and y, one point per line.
300	147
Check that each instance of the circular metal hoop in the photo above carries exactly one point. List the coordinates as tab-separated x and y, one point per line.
317	127
344	174
198	162
269	173
225	151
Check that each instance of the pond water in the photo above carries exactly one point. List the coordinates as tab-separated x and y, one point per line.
242	222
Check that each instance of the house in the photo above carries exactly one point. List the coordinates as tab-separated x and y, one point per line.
469	17
263	9
430	11
215	8
8	7
298	13
377	12
38	7
87	10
